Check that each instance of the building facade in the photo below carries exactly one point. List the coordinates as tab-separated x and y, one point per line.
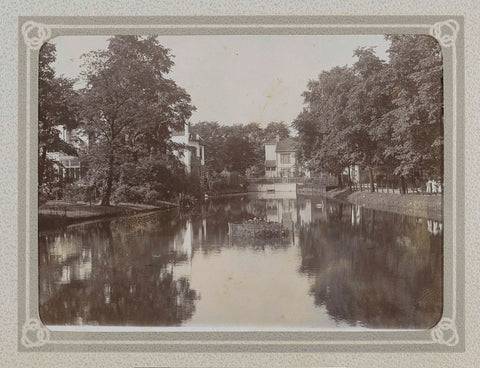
69	167
193	156
280	159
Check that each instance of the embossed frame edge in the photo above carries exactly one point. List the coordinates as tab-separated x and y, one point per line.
447	336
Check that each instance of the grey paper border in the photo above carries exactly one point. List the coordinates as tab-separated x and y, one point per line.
447	336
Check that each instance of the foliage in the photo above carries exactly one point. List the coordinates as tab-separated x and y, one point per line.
386	117
322	125
56	107
128	110
276	130
237	148
415	80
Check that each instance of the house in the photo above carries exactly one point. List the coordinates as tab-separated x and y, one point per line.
193	156
69	167
280	158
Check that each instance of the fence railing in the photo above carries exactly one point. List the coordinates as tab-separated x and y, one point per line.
277	180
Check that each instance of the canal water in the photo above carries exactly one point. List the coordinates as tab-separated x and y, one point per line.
340	266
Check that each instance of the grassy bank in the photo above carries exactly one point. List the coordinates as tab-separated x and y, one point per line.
421	205
54	214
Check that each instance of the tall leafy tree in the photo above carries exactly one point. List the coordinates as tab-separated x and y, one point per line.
381	116
56	107
129	107
276	129
415	79
368	132
213	136
232	147
322	126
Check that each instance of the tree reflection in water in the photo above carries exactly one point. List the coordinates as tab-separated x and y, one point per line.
358	267
374	269
131	280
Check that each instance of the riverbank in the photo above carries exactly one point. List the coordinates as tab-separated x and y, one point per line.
54	214
428	206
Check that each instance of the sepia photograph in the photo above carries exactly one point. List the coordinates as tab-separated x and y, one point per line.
241	182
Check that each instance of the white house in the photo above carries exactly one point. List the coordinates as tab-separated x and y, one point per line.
69	166
280	158
193	157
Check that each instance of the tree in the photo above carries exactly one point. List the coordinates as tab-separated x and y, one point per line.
276	129
322	126
239	150
213	136
415	80
368	132
235	147
129	108
56	107
386	117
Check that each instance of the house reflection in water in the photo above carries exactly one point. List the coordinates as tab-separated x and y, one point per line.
434	227
189	237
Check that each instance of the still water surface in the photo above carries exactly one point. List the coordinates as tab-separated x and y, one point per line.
341	267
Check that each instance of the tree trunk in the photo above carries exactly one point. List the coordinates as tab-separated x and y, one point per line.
41	166
109	184
372	185
340	181
402	185
349	179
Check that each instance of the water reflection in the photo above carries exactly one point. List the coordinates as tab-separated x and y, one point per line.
340	266
374	270
114	273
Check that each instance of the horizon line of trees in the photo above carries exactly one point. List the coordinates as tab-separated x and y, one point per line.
127	111
238	148
385	117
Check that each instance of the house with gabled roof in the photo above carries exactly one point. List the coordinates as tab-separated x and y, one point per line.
280	158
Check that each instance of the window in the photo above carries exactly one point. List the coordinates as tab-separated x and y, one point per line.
285	158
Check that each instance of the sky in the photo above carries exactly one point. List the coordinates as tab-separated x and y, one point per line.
239	79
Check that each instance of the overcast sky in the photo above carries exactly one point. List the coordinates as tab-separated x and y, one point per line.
239	79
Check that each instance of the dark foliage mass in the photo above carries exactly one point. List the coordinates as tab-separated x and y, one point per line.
56	107
126	110
238	148
385	117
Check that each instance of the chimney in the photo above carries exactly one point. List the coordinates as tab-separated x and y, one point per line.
187	130
277	138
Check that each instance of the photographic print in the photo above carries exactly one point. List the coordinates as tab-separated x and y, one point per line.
251	182
230	184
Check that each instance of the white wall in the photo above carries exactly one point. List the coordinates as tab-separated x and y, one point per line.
270	152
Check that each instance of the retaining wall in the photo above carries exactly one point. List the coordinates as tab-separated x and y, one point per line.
277	187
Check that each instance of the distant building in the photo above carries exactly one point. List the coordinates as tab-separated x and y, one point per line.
193	156
69	167
280	158
353	173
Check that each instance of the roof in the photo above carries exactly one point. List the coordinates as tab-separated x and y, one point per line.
270	163
191	138
286	145
271	142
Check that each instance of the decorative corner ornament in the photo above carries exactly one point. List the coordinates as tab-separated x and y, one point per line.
34	333
445	32
445	332
35	34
